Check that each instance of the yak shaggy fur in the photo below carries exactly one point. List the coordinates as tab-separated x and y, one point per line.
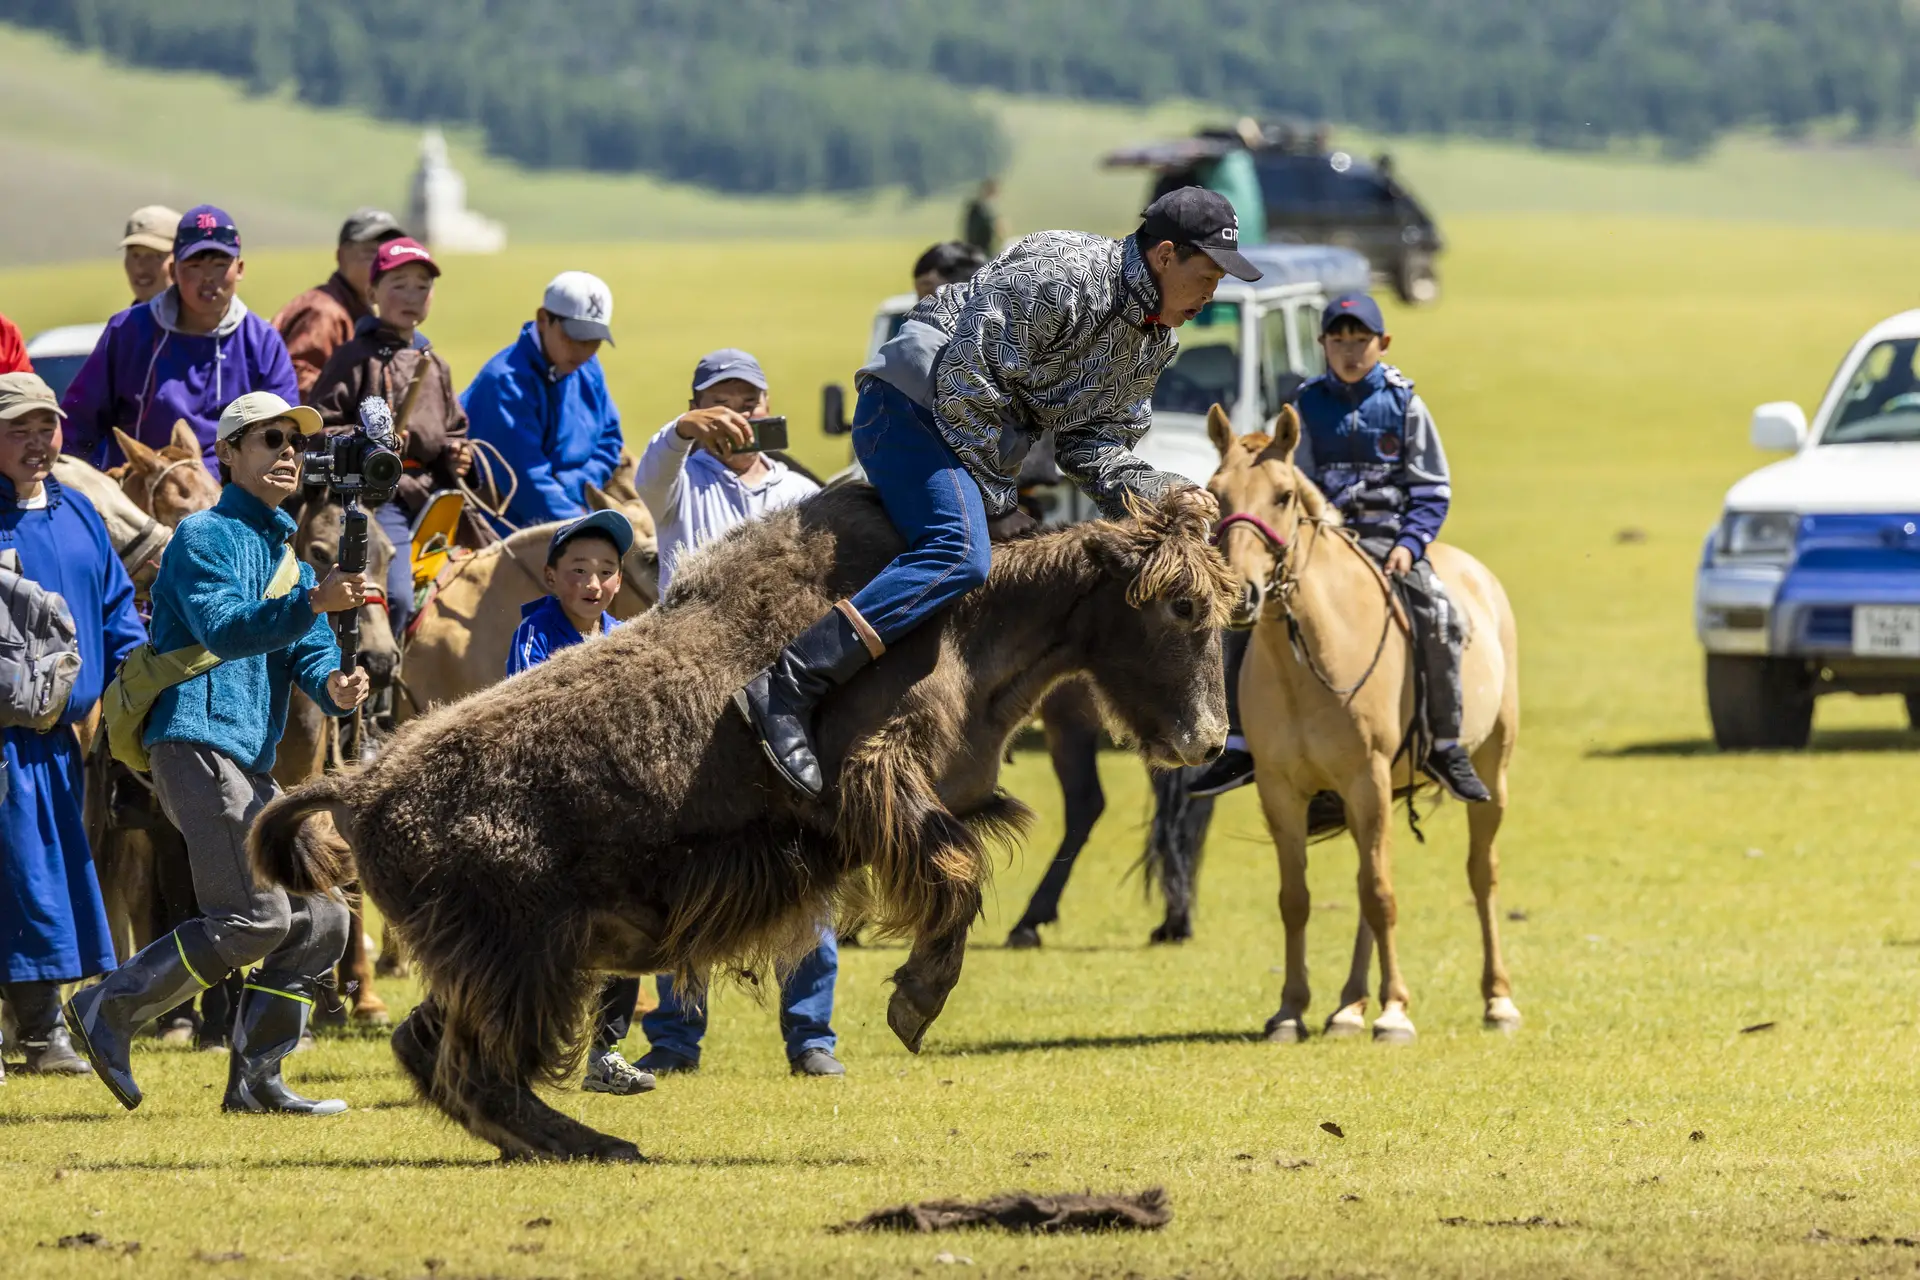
608	811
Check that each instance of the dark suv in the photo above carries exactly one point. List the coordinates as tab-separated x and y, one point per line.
1314	195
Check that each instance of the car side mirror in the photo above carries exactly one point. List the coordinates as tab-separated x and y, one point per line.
833	410
1779	425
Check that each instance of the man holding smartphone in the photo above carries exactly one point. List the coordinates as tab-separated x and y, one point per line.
701	475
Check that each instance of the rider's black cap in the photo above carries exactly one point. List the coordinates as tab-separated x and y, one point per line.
1202	218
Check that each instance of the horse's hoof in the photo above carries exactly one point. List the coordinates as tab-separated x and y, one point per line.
1347	1023
1171	934
1501	1015
374	1017
1025	937
1393	1026
908	1023
617	1152
1286	1029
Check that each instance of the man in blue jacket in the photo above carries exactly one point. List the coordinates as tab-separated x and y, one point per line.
212	741
543	403
181	357
53	920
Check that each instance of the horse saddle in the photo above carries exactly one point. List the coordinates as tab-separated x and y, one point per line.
434	531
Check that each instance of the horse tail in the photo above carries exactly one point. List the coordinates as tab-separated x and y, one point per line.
288	852
1171	860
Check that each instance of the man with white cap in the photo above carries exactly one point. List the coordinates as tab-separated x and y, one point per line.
146	250
231	589
543	403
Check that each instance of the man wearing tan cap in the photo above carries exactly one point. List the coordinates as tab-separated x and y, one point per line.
53	921
146	250
326	315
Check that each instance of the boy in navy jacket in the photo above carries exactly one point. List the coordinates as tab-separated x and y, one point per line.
1370	445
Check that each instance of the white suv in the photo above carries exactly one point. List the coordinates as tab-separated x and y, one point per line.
1811	582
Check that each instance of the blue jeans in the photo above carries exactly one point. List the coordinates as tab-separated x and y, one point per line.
932	500
393	521
806	1008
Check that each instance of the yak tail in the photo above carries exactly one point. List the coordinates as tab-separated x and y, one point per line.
300	857
927	866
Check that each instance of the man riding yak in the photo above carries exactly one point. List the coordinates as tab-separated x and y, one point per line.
1064	331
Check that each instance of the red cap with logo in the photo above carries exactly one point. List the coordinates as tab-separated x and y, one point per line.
398	253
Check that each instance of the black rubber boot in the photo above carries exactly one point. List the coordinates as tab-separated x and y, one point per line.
43	1035
272	1015
1234	766
778	703
104	1019
1451	768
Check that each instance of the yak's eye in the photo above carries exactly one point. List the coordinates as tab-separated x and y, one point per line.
1183	608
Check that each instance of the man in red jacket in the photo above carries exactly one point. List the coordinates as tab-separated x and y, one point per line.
323	317
13	349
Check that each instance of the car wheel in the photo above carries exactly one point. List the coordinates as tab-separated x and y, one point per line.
1759	702
1416	281
1913	710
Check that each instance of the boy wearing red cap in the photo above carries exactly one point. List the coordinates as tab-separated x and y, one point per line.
389	357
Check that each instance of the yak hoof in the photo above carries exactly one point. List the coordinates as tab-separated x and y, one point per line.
616	1151
1025	937
1501	1015
907	1022
1286	1028
1393	1026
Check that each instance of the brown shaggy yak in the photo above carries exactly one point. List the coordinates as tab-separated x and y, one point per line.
607	811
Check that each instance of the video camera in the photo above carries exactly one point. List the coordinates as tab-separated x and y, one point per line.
363	464
360	464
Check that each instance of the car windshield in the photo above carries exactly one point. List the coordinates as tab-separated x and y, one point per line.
1882	401
1207	370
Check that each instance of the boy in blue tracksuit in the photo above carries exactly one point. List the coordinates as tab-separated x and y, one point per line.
229	583
1370	444
544	404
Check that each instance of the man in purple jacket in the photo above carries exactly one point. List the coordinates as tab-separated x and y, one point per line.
181	357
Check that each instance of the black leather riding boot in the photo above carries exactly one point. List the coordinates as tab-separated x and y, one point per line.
273	1012
778	703
43	1035
1447	762
104	1019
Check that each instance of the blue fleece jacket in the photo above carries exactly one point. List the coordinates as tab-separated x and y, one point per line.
145	375
558	434
212	577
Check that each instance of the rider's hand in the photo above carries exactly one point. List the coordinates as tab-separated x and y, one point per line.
461	452
348	691
720	429
339	592
1399	561
1015	524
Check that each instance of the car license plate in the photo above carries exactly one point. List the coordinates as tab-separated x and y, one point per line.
1886	631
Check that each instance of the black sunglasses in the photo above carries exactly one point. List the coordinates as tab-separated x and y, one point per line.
277	438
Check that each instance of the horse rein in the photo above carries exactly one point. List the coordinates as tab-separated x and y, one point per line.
1283	581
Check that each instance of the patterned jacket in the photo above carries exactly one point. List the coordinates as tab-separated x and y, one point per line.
1059	333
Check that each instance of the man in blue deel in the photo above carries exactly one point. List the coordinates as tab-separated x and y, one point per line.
53	920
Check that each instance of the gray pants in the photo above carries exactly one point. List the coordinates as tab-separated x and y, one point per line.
212	801
1439	634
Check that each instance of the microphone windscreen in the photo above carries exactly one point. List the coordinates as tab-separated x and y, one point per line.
376	418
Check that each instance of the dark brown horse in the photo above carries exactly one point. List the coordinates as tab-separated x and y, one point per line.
607	812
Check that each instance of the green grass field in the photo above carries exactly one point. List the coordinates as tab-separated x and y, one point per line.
1592	376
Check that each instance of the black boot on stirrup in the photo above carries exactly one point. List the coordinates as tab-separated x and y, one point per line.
273	1012
1452	768
778	703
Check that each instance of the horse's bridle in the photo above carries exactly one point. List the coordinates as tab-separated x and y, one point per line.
159	478
1277	581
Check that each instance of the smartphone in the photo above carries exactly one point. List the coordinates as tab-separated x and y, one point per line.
768	433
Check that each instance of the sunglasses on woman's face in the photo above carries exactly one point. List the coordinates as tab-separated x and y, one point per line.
277	438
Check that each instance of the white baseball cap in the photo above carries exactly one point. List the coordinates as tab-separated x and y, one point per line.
584	304
264	406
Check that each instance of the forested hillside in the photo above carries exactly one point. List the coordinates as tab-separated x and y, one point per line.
844	95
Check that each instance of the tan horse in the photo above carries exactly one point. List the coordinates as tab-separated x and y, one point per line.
1330	711
136	536
170	484
460	644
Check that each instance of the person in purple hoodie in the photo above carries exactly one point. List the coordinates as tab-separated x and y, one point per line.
183	356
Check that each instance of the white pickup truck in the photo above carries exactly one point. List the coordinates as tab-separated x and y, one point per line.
1810	583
